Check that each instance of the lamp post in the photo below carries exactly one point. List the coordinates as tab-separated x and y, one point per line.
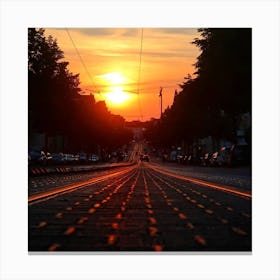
160	96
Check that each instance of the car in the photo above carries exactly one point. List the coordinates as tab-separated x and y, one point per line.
82	157
224	156
144	158
69	158
217	159
57	158
37	157
240	155
205	159
93	158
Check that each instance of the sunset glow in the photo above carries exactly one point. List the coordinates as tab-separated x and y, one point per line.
108	63
116	82
117	96
114	78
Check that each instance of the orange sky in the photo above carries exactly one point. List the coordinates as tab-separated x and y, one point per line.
110	59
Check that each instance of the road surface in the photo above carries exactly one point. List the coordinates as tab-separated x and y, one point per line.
139	208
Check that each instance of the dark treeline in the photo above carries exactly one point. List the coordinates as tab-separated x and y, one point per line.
211	103
57	107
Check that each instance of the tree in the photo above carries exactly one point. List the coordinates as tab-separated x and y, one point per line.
51	86
57	105
210	103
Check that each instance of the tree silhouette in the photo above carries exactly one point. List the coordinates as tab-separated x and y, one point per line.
210	103
57	106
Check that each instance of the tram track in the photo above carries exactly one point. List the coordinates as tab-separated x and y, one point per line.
139	209
44	195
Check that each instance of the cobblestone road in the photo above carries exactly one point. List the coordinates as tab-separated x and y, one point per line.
141	210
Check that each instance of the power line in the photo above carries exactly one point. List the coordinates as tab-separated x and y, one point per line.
139	74
80	57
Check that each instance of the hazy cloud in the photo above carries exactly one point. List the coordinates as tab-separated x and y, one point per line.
183	31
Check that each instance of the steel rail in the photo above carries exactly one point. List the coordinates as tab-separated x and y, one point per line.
68	188
219	187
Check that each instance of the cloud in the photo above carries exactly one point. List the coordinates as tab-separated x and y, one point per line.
132	32
100	31
176	31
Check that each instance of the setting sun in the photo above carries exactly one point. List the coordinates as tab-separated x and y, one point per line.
137	61
117	96
114	78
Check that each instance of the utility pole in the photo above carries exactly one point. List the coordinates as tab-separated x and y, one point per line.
160	96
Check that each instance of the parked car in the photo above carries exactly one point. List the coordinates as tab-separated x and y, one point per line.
37	157
214	159
205	159
57	158
224	156
69	158
82	157
240	155
93	158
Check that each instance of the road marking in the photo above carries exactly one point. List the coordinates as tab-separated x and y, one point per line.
203	183
246	215
59	215
77	203
190	225
152	220
200	206
239	231
82	220
111	239
42	224
53	247
199	239
91	210
208	211
69	231
153	231
229	209
157	248
224	221
115	225
69	188
182	216
119	216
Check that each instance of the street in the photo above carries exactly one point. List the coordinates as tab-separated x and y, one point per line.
139	208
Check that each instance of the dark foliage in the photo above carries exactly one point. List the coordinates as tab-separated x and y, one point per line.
56	105
210	103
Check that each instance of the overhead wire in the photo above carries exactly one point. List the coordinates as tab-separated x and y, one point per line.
80	57
139	75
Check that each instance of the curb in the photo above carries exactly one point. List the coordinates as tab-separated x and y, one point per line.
38	171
